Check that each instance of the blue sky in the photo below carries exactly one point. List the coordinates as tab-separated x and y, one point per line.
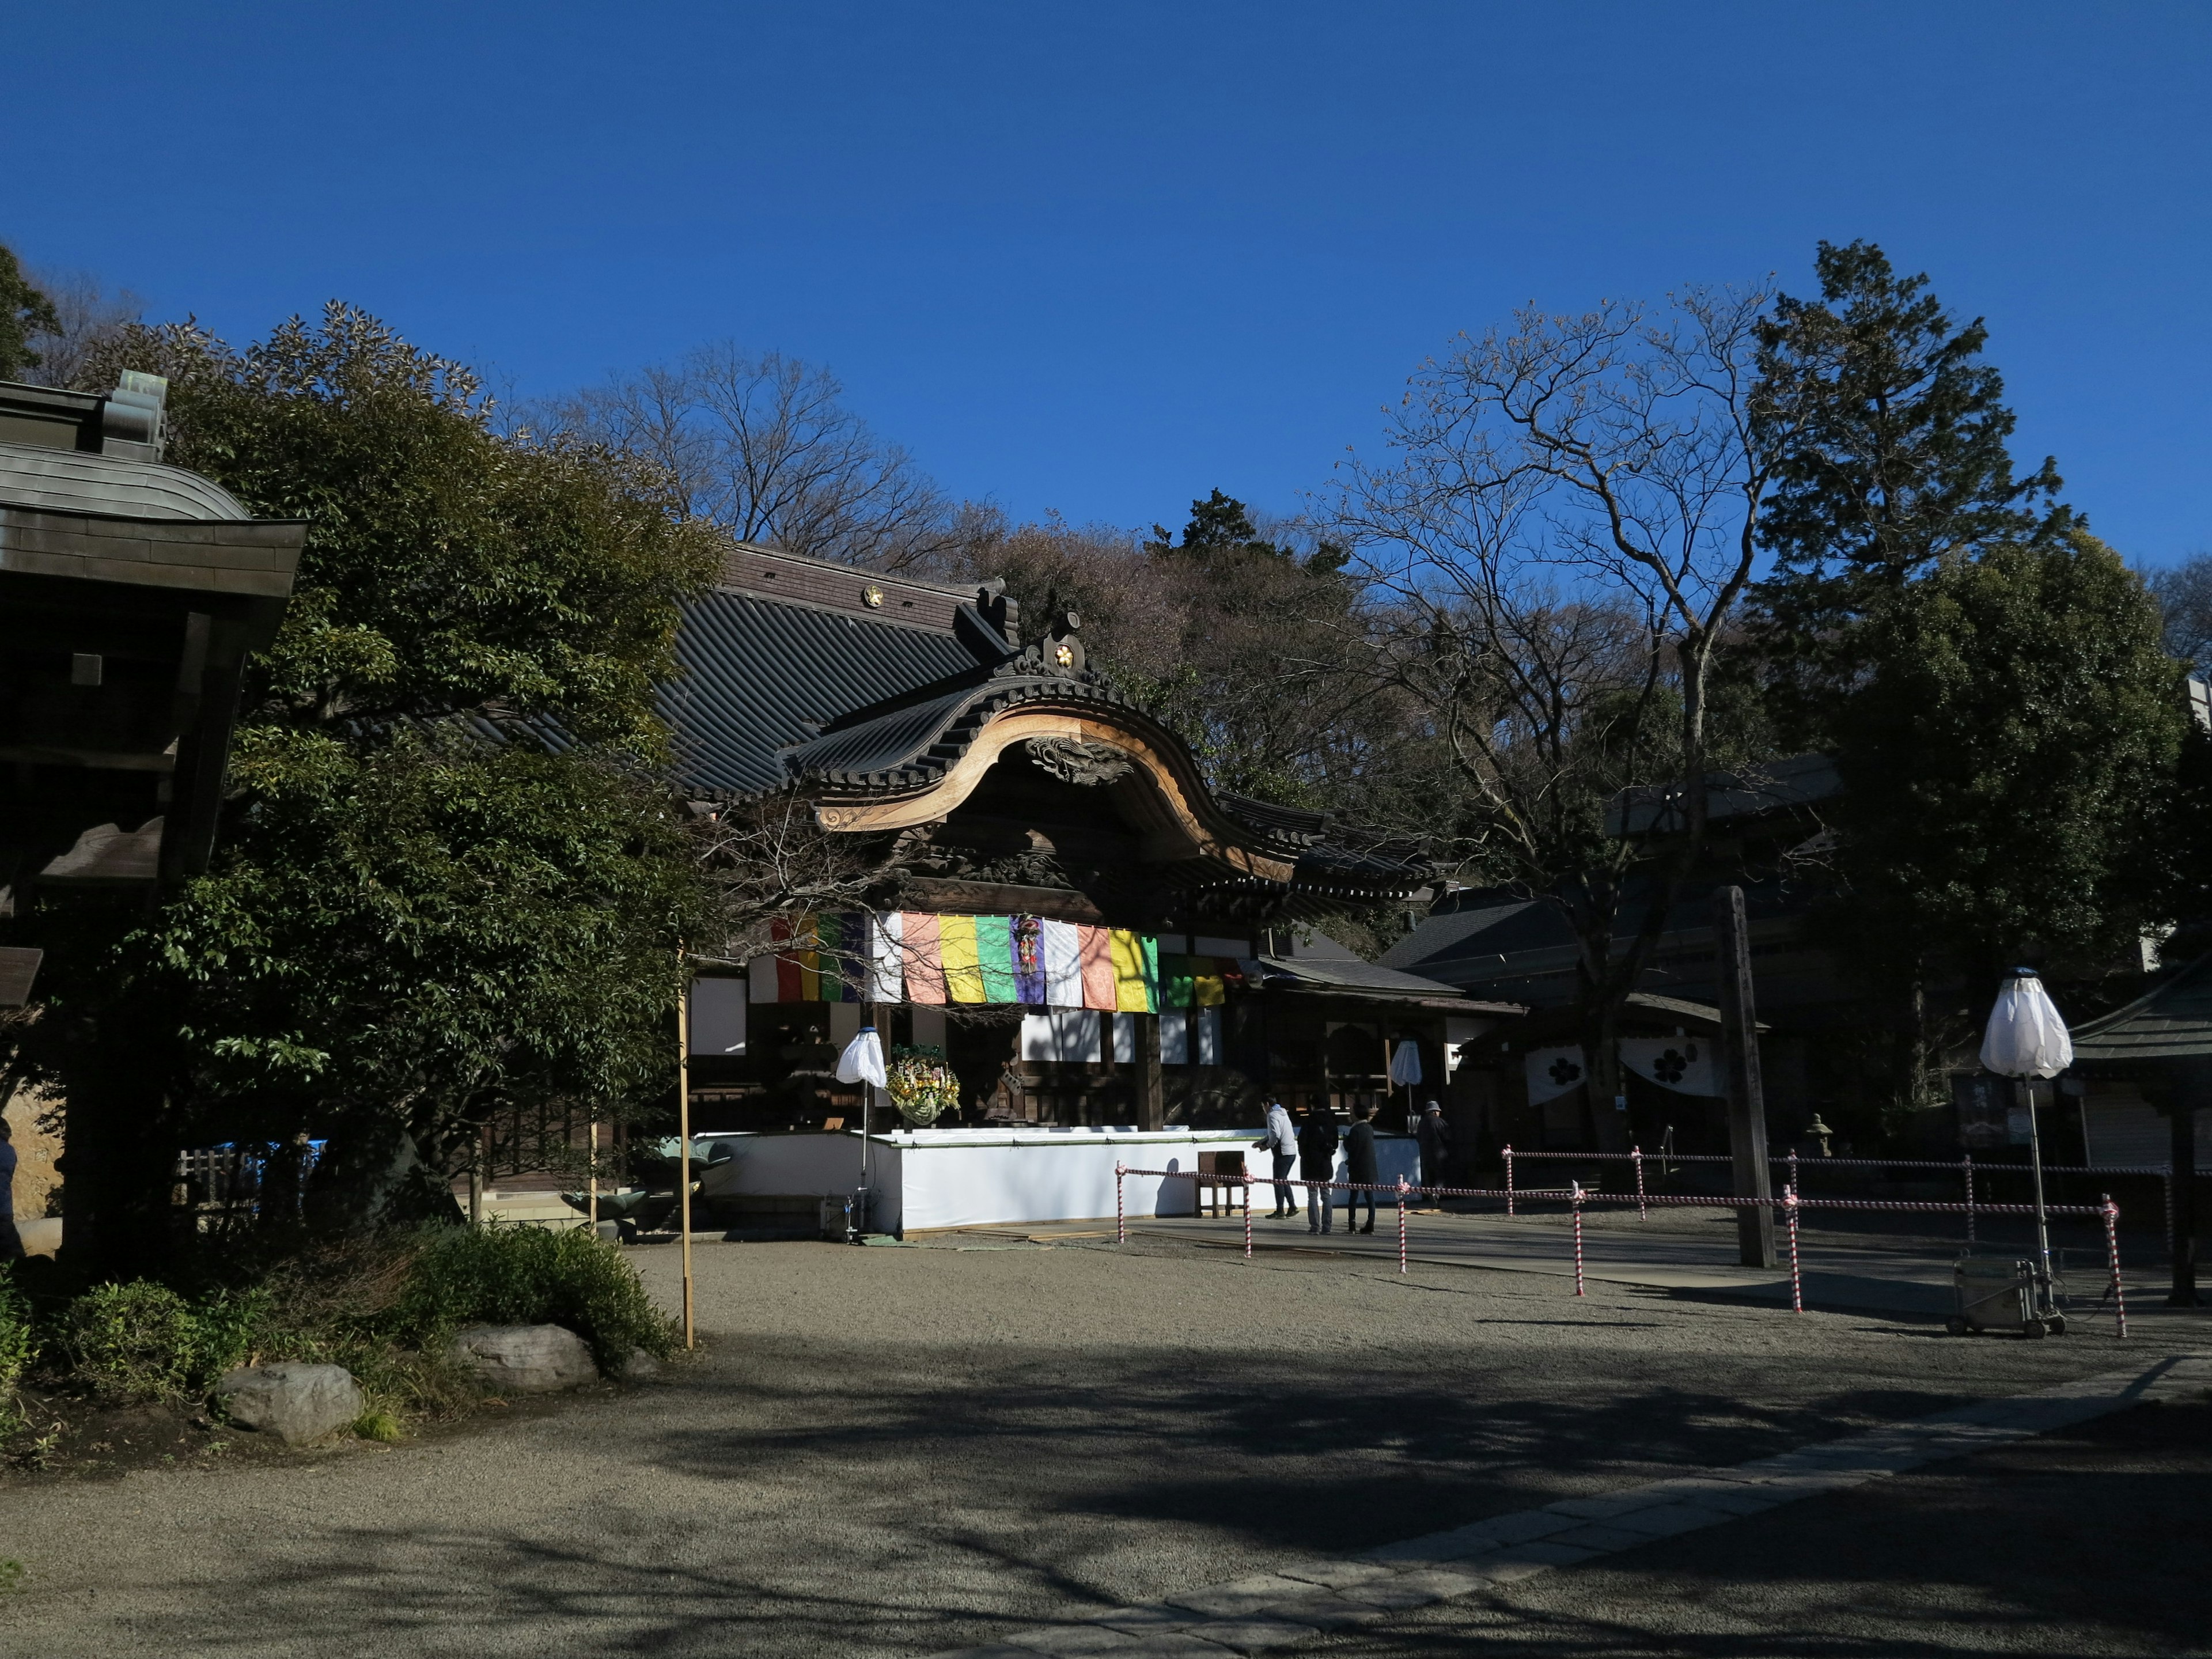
1102	258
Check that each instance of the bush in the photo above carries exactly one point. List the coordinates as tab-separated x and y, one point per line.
141	1342
16	1344
529	1276
17	1348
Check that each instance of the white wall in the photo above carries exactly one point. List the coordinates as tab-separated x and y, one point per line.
978	1177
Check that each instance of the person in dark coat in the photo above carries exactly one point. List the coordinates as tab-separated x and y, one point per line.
1435	1144
1317	1163
1359	1167
11	1241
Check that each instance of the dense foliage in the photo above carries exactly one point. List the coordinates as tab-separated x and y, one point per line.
449	878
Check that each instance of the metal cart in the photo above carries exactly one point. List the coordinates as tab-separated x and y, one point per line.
2002	1293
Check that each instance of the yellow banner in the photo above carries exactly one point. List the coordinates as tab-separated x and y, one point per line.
963	971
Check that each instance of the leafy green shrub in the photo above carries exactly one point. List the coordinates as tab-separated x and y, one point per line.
529	1276
141	1342
17	1344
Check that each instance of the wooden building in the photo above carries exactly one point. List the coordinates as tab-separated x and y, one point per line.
1054	895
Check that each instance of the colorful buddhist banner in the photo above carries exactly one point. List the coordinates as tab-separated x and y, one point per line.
963	973
1097	947
913	956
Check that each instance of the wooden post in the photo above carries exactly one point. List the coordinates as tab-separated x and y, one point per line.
1151	1089
2196	1091
592	1197
684	1141
1746	1096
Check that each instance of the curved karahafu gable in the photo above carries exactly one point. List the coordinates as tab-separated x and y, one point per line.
889	703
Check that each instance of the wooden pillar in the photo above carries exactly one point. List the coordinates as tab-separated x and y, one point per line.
2196	1091
1746	1096
1152	1093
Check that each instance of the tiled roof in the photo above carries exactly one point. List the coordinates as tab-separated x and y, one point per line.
74	481
2173	1022
761	676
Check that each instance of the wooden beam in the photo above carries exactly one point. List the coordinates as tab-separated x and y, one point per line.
1746	1093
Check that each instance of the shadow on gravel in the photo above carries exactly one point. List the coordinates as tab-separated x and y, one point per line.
1316	1452
2090	1543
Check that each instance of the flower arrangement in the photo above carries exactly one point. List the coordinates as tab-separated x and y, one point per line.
922	1084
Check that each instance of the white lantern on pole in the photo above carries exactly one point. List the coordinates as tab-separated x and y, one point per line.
2026	1039
862	1062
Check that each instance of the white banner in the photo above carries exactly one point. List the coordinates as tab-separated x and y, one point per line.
1682	1064
1553	1071
717	1016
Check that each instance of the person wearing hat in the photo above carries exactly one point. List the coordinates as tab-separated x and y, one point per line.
1435	1144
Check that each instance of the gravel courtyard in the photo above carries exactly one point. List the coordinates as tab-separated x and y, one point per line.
900	1451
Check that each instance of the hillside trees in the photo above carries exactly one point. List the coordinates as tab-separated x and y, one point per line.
448	880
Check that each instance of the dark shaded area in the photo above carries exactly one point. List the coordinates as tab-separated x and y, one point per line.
2088	1541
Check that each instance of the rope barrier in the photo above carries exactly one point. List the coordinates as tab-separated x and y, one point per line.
1578	1238
1401	1223
1791	1203
1796	1282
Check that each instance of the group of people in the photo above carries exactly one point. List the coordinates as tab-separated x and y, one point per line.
1311	1147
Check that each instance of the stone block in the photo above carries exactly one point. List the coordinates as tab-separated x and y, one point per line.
296	1403
1252	1635
1665	1520
1243	1596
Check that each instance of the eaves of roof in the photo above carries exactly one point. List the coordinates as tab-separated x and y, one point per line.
76	481
2172	1022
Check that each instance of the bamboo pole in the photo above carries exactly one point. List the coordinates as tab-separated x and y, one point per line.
592	1197
683	1143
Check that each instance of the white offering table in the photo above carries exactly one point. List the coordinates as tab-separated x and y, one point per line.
930	1178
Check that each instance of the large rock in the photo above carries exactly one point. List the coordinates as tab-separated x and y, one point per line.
524	1358
296	1403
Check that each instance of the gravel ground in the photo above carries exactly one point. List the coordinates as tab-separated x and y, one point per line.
898	1451
2089	1542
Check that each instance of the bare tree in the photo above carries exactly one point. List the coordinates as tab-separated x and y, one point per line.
764	446
767	860
1564	528
87	318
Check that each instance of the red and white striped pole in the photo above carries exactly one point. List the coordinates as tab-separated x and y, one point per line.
1578	1237
1247	1217
1509	1177
1120	1224
1637	1152
2112	1250
1797	1285
1401	1224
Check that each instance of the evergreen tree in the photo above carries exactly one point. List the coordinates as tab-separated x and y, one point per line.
448	879
25	310
1897	461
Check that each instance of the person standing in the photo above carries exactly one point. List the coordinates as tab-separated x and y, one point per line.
1282	1140
11	1241
1318	1168
1435	1144
1360	1168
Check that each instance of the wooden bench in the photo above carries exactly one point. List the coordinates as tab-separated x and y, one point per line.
1223	1173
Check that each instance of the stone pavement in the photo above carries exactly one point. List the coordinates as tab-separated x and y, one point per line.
1301	1601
